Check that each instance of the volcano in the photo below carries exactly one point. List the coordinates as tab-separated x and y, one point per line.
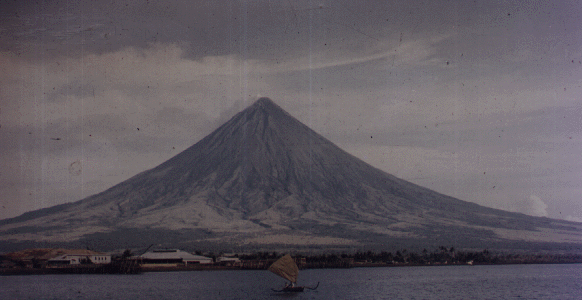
265	180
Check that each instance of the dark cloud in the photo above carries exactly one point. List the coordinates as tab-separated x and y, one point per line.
251	29
76	88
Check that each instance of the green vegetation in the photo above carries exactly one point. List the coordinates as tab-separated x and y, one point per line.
440	256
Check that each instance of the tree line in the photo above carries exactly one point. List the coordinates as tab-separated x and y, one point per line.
440	256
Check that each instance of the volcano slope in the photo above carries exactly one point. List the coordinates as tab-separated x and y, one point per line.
265	180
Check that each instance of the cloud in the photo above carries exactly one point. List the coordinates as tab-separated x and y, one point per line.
537	207
573	219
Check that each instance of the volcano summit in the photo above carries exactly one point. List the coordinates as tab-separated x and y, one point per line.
265	180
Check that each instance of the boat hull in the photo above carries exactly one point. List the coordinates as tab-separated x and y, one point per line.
294	289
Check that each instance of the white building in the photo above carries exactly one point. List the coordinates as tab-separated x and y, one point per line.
173	256
77	259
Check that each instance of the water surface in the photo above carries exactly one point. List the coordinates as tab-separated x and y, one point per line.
443	282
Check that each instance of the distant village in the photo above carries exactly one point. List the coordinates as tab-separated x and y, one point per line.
87	261
54	261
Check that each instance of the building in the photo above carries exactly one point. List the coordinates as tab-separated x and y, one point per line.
41	257
172	257
78	259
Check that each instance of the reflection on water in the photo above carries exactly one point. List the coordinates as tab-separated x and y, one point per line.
443	282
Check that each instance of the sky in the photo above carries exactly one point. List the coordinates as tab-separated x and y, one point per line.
479	100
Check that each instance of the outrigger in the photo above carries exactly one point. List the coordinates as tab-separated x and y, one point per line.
287	268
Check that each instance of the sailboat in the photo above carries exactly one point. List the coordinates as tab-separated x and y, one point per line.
287	268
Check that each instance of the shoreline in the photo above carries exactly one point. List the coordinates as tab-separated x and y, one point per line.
152	269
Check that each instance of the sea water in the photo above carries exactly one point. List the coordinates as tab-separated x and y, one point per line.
437	282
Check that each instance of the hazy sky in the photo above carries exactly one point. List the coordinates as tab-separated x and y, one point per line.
480	100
